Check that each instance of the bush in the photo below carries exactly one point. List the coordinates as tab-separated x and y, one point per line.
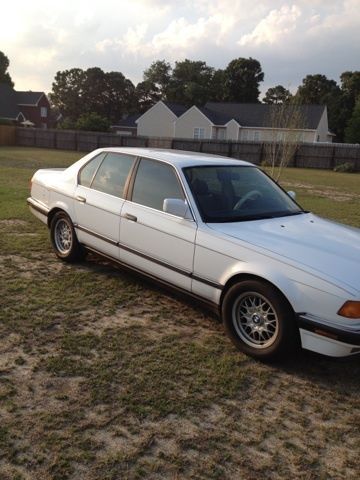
345	168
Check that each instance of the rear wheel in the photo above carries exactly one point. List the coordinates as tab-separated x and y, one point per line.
63	238
259	321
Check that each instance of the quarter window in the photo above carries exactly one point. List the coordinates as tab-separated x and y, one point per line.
154	182
112	174
88	171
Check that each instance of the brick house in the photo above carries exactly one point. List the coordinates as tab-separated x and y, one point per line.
33	108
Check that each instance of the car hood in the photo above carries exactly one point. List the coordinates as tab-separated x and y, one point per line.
323	246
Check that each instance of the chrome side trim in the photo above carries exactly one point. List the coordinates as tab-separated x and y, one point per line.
97	235
213	306
37	206
181	271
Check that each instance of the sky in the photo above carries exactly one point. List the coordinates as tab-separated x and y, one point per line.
290	39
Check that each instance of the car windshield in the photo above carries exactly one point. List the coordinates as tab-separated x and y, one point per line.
229	193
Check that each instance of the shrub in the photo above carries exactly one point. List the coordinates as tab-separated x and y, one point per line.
346	167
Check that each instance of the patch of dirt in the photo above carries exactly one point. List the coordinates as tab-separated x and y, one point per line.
297	420
12	222
326	192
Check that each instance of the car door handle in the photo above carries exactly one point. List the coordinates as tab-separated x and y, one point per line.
128	216
81	199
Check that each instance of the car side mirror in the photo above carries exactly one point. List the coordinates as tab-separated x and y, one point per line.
177	207
292	194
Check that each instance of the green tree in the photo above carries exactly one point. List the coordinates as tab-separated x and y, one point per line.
68	92
75	92
277	95
350	85
92	122
352	131
318	89
315	89
146	95
4	75
158	75
217	92
242	79
190	83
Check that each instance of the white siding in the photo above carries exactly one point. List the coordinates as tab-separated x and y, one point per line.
232	130
158	121
192	118
270	135
323	128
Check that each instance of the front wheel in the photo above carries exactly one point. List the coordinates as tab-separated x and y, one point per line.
259	321
63	238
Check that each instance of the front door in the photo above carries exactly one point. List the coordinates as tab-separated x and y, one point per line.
152	240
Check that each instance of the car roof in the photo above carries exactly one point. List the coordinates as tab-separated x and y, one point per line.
178	158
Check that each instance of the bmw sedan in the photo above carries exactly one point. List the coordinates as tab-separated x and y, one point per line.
221	231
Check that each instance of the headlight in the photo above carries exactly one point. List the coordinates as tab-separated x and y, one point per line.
350	309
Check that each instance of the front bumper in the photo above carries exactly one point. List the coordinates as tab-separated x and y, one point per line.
334	340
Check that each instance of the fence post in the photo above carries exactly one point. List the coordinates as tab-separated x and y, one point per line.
295	157
332	160
230	149
201	147
261	153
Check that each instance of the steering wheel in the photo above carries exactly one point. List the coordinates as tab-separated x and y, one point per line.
252	195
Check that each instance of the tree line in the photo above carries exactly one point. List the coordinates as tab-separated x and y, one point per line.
94	98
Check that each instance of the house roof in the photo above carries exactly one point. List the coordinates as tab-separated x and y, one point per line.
129	121
258	114
176	108
28	98
217	118
11	101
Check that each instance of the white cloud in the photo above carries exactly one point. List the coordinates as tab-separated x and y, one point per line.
289	37
274	27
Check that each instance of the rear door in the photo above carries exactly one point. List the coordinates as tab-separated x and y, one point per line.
152	240
99	198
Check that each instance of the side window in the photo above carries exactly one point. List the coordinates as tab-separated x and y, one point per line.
88	171
154	182
112	174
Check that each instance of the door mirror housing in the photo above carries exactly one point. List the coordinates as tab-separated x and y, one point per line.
177	207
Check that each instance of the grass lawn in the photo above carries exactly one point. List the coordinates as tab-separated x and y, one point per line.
105	377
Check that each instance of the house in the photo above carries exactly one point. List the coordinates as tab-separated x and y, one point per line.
27	108
235	121
160	119
127	125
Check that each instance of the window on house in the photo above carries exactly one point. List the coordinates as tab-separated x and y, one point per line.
199	133
43	112
256	136
244	135
221	134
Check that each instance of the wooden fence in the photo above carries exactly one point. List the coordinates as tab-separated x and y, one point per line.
7	135
307	155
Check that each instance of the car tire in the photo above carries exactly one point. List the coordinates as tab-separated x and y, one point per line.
64	240
259	321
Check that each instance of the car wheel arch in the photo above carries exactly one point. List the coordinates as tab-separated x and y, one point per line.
243	277
52	213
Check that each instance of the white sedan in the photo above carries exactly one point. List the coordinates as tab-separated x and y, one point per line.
218	229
